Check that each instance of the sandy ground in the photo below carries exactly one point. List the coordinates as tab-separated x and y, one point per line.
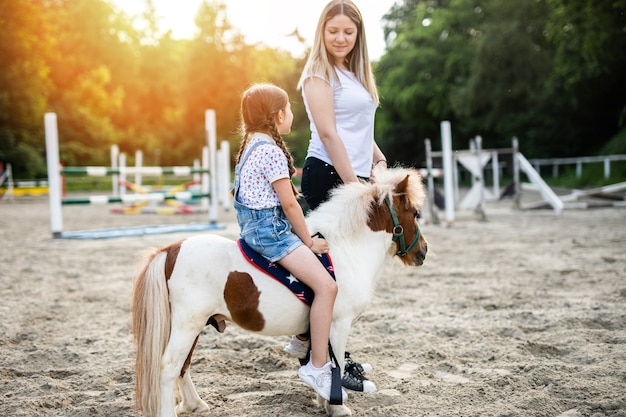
522	315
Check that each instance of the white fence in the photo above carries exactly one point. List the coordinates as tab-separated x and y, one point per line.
555	163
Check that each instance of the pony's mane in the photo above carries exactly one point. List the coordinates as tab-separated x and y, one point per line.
349	205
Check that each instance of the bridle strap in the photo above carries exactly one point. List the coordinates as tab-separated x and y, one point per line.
398	231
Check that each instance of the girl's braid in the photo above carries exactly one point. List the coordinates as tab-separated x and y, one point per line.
281	144
244	142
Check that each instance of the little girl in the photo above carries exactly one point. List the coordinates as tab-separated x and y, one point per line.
272	222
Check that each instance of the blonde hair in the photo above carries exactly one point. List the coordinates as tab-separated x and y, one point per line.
259	105
320	61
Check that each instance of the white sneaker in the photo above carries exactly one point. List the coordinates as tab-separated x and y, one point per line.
320	379
297	348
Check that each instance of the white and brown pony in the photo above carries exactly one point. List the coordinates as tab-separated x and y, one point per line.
205	278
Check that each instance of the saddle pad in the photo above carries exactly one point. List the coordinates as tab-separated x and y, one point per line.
280	274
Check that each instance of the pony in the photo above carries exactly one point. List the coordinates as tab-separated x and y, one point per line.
204	279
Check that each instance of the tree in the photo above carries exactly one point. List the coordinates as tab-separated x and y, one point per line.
584	99
428	56
548	71
86	64
24	84
111	83
221	66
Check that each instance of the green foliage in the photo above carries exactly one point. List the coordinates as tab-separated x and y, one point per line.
24	83
547	71
112	83
616	146
592	176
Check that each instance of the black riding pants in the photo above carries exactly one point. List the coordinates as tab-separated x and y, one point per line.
318	179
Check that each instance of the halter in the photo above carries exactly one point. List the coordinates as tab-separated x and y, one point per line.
398	231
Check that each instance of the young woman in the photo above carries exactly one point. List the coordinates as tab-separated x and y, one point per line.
272	221
341	98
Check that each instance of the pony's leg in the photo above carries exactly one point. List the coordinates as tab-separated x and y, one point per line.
181	341
338	340
166	385
190	400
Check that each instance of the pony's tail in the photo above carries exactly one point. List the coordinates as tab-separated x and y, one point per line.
151	330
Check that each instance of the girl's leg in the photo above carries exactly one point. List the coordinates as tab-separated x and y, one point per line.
305	266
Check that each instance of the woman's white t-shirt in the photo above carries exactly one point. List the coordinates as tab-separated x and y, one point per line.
354	116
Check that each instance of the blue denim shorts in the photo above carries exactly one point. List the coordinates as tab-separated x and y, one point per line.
267	231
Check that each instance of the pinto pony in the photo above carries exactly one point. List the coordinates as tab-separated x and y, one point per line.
205	279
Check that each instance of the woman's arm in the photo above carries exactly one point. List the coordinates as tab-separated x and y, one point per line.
319	96
378	157
293	211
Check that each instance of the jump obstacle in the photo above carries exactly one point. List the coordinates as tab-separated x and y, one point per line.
475	161
55	170
173	206
120	184
9	188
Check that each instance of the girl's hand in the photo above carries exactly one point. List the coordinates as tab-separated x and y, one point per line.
319	245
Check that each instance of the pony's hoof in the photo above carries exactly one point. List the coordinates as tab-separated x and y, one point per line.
333	410
337	410
196	407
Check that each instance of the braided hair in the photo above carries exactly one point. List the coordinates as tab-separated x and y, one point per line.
259	106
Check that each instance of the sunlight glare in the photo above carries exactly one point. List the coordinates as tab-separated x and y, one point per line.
271	22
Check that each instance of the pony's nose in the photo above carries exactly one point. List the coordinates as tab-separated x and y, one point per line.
421	255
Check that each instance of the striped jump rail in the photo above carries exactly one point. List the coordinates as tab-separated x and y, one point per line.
131	198
57	174
106	171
